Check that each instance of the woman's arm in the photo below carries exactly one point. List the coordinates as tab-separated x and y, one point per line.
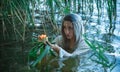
61	52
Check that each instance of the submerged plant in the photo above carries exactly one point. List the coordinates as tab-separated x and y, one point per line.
39	51
99	54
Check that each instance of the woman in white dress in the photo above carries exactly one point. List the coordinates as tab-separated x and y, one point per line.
71	42
72	46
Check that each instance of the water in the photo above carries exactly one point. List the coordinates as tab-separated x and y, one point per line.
80	63
14	59
95	31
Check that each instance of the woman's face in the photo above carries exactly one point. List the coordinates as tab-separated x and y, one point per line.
68	29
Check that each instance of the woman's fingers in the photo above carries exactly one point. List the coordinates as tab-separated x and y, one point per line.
54	46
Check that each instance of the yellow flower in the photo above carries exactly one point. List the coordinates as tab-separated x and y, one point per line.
43	38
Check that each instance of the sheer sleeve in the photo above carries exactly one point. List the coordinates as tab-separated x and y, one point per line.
81	49
62	52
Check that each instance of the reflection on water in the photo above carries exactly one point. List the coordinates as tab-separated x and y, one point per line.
117	67
80	63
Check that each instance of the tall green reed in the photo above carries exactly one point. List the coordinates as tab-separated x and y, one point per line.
111	9
22	13
99	55
15	16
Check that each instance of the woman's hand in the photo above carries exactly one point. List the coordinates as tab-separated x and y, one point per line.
55	47
43	38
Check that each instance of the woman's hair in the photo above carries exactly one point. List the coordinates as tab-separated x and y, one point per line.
77	27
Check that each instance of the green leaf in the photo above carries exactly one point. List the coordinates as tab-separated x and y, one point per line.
52	53
34	50
42	55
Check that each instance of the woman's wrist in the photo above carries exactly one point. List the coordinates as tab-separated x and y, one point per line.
55	47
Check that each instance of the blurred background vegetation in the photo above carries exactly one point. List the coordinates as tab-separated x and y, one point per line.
21	21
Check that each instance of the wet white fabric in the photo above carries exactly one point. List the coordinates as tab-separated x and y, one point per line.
83	48
63	53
